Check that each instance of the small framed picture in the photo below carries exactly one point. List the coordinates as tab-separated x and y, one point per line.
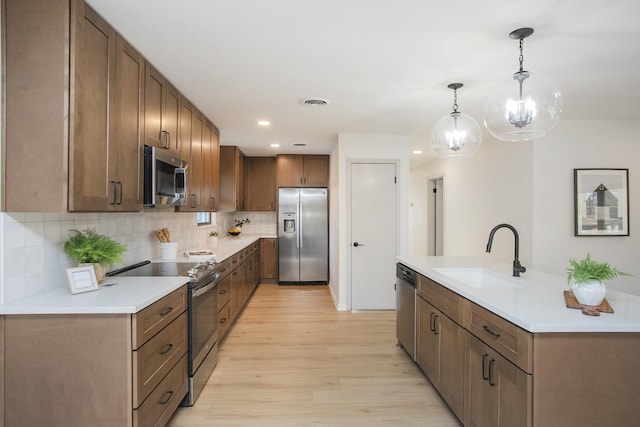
601	202
82	279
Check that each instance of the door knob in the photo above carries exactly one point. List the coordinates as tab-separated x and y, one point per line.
356	244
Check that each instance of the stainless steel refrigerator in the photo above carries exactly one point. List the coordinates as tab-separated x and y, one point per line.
303	235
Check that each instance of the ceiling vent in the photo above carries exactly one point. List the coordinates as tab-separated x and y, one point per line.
315	102
299	144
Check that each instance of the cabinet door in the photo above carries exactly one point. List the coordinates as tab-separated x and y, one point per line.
451	385
262	183
154	99
289	170
211	159
498	394
315	171
92	97
125	152
196	167
187	114
239	178
269	248
171	118
427	340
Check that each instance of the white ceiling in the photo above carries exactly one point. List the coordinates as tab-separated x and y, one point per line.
383	64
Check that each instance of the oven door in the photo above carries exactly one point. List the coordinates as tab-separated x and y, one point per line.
203	324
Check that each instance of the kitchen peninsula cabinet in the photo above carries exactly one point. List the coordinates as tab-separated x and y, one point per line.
536	364
302	170
260	183
161	112
113	369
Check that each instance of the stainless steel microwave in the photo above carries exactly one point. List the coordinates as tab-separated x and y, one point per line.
165	178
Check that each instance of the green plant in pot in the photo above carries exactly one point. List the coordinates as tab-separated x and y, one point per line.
586	276
238	226
89	247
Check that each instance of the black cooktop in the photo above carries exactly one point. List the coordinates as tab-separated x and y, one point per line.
193	270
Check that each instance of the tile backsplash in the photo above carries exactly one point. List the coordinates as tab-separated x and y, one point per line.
32	260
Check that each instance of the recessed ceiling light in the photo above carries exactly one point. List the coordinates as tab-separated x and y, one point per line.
264	122
417	152
274	145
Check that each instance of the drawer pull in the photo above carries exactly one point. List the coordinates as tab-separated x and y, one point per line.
489	331
223	320
491	362
167	349
432	326
484	362
166	311
435	325
166	399
223	291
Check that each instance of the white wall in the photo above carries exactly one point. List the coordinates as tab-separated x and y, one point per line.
530	185
366	147
583	144
495	186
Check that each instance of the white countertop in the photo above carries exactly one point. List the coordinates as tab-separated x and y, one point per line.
537	306
227	246
118	295
121	294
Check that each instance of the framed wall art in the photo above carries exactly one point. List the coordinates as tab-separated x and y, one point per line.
601	198
82	279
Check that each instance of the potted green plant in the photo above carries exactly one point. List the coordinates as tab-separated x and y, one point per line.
586	276
89	247
238	226
213	239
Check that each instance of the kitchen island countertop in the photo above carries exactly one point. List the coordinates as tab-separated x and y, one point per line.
536	306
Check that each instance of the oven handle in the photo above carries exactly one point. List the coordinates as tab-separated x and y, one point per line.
203	290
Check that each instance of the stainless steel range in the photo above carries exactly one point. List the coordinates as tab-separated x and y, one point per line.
202	309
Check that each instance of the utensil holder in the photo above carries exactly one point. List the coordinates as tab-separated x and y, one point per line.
169	250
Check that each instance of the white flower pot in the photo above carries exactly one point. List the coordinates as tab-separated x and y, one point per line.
589	293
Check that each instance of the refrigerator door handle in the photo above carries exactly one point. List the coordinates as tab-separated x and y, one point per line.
299	242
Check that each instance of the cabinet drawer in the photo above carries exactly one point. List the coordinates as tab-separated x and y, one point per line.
152	361
158	409
224	268
224	294
152	319
509	340
442	298
224	320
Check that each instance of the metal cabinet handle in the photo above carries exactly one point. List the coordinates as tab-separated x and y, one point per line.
490	332
435	325
115	191
120	198
169	395
223	320
222	291
491	362
194	200
356	244
168	139
166	311
166	349
484	362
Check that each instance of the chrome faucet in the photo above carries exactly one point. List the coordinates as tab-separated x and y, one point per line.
517	268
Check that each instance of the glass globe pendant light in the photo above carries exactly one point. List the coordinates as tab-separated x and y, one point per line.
456	135
525	109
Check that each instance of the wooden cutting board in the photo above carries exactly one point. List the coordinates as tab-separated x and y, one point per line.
571	302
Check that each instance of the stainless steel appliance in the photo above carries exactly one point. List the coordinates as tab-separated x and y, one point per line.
165	178
303	235
202	310
406	280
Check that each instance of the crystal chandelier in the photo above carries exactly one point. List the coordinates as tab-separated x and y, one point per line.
525	110
456	135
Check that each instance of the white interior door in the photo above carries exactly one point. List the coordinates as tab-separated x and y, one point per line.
373	235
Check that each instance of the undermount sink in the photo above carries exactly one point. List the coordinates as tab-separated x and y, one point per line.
480	278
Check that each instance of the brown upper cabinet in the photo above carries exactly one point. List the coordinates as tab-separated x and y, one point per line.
73	111
260	183
302	170
161	112
232	177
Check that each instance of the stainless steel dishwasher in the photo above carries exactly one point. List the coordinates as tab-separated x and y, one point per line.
406	280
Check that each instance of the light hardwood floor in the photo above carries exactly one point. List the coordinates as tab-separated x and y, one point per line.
293	360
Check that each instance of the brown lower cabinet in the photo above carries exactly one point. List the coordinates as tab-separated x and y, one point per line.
493	373
110	369
269	259
240	275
